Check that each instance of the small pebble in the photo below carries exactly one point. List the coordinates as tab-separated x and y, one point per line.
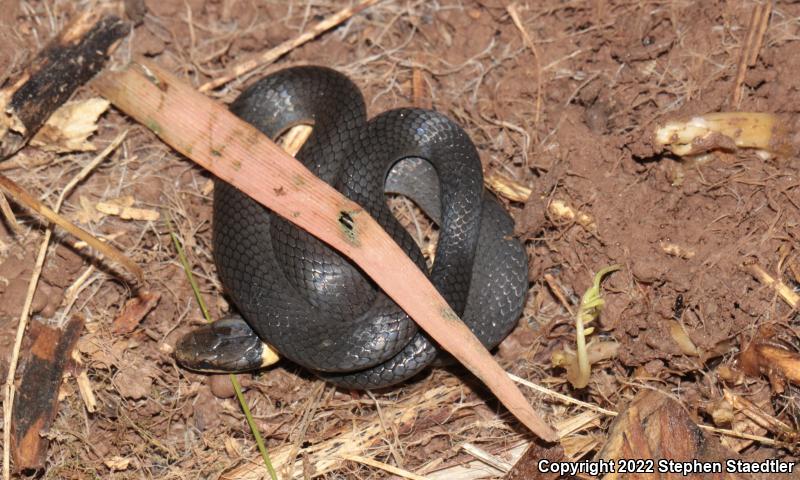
221	386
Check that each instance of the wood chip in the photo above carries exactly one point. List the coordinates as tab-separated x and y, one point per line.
36	402
117	463
134	311
123	208
527	468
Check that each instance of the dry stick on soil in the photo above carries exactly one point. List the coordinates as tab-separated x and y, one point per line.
239	154
20	195
68	62
756	413
419	89
24	197
752	46
8	214
512	11
513	190
785	292
768	133
275	53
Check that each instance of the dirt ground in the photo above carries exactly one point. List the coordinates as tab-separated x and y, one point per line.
572	123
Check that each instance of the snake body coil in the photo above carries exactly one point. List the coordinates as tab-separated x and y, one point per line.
315	306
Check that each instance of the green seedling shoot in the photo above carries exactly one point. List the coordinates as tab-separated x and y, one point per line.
591	304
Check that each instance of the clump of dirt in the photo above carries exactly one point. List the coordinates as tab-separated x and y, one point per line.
571	121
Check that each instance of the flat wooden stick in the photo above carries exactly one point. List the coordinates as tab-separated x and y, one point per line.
239	154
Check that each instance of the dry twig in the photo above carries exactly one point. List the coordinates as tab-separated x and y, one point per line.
275	53
20	195
783	290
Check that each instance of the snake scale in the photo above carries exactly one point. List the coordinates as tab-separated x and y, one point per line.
314	305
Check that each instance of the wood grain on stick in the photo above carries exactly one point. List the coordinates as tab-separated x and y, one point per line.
238	153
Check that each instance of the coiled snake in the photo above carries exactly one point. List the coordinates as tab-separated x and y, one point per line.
312	304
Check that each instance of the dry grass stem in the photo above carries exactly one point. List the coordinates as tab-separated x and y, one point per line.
84	384
595	408
355	439
759	21
756	414
420	93
127	212
478	469
783	290
8	214
560	396
487	457
71	294
512	11
582	421
385	467
558	292
23	197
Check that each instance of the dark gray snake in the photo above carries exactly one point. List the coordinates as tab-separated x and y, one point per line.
315	306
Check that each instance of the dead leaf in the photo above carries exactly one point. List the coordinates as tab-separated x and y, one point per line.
134	312
69	127
777	363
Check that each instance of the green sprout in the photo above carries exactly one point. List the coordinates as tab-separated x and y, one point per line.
591	305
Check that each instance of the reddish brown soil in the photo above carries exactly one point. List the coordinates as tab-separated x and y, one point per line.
606	72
